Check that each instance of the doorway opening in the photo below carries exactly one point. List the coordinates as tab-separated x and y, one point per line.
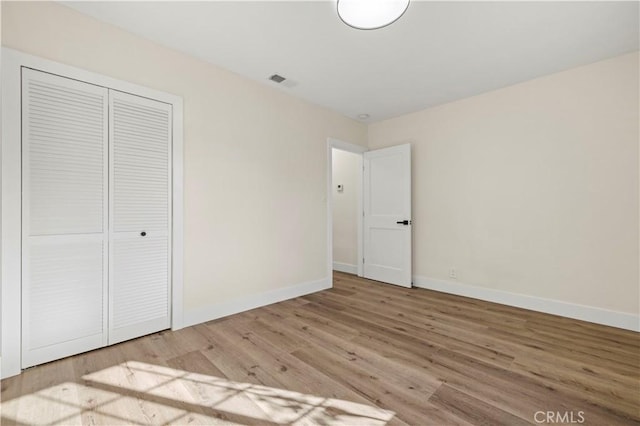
346	168
382	189
344	207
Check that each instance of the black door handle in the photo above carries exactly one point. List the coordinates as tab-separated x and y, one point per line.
143	233
404	222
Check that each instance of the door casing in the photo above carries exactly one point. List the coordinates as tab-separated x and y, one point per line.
357	149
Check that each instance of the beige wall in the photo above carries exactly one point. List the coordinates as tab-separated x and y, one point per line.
255	158
533	188
530	189
345	170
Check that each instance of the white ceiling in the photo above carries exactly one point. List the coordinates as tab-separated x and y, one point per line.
436	53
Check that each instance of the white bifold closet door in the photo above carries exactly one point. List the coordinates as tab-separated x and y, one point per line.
64	217
140	216
96	263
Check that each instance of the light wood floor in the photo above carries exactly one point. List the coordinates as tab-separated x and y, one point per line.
360	353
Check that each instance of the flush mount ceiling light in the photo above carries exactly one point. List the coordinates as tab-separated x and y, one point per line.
371	14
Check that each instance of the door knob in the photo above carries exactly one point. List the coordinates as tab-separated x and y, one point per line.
404	222
143	233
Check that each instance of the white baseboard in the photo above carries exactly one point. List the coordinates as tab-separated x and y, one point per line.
539	304
219	310
345	267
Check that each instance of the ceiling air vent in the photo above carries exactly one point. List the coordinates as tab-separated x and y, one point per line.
277	78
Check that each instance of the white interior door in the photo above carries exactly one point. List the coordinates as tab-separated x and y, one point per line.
140	218
64	217
387	215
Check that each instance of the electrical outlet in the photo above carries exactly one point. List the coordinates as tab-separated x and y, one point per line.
453	274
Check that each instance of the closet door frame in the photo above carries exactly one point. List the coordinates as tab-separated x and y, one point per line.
11	193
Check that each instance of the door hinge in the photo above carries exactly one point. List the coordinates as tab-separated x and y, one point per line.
363	260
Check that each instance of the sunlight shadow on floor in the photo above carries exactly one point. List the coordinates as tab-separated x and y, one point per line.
141	393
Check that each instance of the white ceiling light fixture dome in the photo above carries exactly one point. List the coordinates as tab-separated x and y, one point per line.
371	14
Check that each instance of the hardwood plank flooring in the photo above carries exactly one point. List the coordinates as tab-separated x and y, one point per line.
360	353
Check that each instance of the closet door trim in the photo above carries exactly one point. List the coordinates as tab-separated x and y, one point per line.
11	183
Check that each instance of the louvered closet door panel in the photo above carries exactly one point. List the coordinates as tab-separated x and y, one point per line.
64	152
140	136
66	290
